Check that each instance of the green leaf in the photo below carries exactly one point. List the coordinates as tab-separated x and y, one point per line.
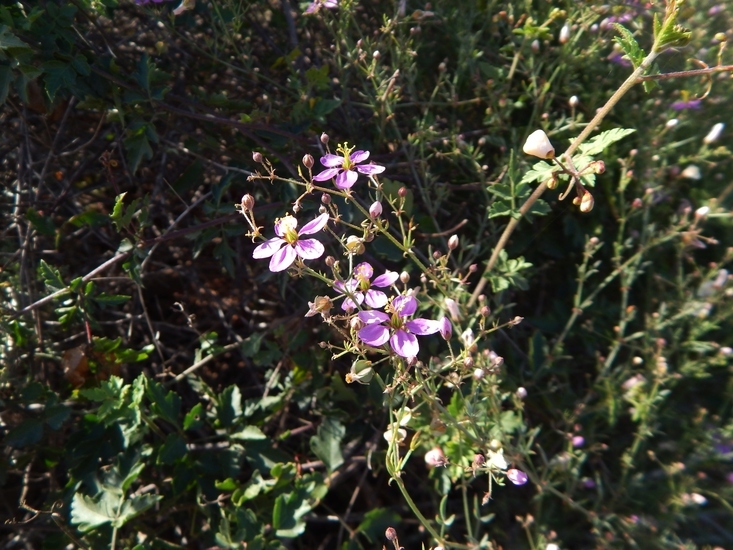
172	450
6	76
88	514
11	43
28	432
541	171
51	277
599	143
167	405
249	433
629	45
56	76
229	406
326	444
192	420
137	146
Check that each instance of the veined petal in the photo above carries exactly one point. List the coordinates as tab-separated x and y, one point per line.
314	226
404	344
283	259
364	269
370	169
327	174
349	304
359	156
309	249
284	224
376	298
423	327
374	335
373	317
404	305
388	279
346	179
268	248
331	161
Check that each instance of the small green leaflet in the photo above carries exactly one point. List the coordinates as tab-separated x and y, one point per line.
596	145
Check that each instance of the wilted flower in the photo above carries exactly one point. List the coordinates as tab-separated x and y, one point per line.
283	249
361	372
714	133
320	304
316	5
344	168
360	287
538	145
518	477
396	327
435	457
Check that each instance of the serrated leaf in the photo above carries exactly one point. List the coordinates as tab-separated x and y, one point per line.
172	450
629	45
28	432
597	145
192	420
540	172
51	277
326	444
88	514
137	147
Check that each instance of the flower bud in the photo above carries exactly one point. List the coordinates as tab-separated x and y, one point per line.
324	138
714	133
452	307
598	166
453	242
692	172
330	261
517	477
326	199
390	534
376	54
297	207
308	161
478	374
573	101
257	157
535	46
355	245
553	181
538	145
375	210
446	329
638	203
702	212
578	441
564	34
405	277
521	392
587	202
672	122
402	192
248	203
435	457
468	362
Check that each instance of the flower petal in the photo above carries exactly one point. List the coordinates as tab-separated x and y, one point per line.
423	327
372	317
268	248
388	279
309	249
376	298
404	344
314	226
346	179
282	259
404	305
331	161
374	335
365	270
327	174
370	169
359	156
284	224
349	304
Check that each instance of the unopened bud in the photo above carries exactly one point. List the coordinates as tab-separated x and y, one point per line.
404	277
375	210
437	255
587	202
330	261
325	199
485	311
376	54
402	192
538	145
573	101
468	362
390	534
248	202
446	329
598	166
638	203
521	392
672	122
552	182
714	133
257	157
564	34
453	242
324	138
308	161
702	212
535	46
297	207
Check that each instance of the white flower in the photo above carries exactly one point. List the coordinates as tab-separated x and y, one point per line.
714	133
672	122
702	212
538	145
564	34
497	460
692	172
435	457
552	546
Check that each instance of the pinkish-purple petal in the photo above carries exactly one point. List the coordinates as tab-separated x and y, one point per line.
374	335
404	305
346	179
376	298
370	169
327	174
309	249
373	317
404	344
446	329
332	161
349	304
282	259
364	269
314	226
268	248
387	279
359	156
423	327
518	477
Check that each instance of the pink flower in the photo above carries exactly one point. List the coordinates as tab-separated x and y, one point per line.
518	477
316	5
344	168
396	328
283	249
361	287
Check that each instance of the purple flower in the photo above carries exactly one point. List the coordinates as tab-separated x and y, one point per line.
316	5
148	1
578	441
360	287
381	327
344	168
518	477
690	104
446	329
283	249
